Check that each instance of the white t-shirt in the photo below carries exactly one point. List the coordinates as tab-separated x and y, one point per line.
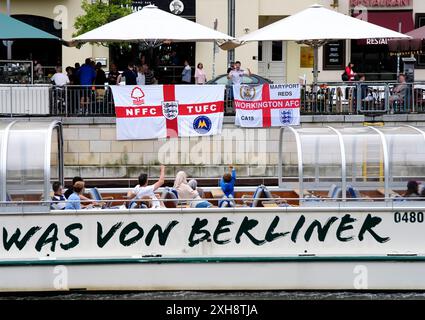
60	79
141	79
237	75
147	191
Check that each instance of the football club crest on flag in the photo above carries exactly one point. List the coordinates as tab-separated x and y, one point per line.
247	92
137	95
202	125
285	117
170	109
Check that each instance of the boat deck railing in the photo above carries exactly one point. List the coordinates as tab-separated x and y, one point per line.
274	204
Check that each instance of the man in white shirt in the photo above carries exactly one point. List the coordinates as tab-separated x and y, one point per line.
60	79
236	74
142	190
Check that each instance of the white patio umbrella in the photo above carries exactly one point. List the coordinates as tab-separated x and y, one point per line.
316	26
152	26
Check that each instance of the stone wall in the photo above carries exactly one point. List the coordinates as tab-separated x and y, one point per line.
91	149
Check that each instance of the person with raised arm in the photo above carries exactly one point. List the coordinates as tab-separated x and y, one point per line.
143	190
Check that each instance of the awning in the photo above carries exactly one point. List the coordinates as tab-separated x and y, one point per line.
392	20
409	46
13	29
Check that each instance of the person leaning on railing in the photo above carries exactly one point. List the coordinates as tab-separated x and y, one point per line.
100	79
86	73
59	78
200	75
399	91
113	75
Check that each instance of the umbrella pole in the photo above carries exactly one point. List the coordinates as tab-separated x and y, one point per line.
315	66
9	43
398	64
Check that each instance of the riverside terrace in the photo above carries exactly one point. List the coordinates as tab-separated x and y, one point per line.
372	99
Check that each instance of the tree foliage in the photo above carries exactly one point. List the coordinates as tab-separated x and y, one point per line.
100	12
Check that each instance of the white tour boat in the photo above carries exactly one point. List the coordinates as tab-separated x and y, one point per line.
336	221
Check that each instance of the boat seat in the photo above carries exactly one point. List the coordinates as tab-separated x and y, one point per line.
95	195
254	200
260	194
353	192
335	192
171	196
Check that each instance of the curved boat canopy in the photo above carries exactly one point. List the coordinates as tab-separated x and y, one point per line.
383	158
31	157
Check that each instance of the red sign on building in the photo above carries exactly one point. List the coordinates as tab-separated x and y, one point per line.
381	3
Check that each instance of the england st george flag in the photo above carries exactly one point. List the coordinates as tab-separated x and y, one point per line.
166	111
268	105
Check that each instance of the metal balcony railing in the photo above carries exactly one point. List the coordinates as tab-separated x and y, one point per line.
367	98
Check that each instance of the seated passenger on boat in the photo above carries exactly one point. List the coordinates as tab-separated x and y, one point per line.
185	192
83	198
227	182
74	201
412	190
194	185
421	189
227	185
143	191
58	199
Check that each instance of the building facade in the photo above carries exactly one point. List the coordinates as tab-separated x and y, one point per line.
54	16
288	61
281	61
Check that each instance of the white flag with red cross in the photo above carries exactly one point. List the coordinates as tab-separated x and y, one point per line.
267	105
167	111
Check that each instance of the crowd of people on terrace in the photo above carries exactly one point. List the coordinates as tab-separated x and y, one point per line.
136	73
399	93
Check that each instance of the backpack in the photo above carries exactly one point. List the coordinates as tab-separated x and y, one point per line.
345	76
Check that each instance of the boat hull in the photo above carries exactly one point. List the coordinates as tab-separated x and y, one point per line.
343	273
302	248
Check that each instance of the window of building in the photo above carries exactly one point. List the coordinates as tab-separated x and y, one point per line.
277	51
334	55
260	50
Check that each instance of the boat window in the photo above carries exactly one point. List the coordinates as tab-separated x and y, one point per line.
369	161
31	159
406	149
